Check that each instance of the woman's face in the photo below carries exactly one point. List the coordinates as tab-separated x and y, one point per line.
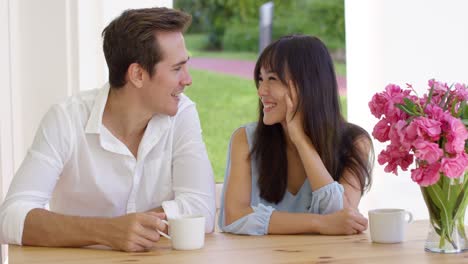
272	94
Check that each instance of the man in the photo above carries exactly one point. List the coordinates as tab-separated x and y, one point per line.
111	163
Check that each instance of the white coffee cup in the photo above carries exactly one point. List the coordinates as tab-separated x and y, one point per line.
186	232
389	225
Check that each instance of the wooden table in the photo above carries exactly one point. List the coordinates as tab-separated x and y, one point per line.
226	248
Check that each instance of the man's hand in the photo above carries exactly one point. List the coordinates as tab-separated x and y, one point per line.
133	232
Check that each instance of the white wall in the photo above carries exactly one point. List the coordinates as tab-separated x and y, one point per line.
6	146
40	64
400	42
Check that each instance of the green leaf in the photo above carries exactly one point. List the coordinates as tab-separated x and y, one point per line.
462	200
434	212
437	197
452	110
410	104
437	194
452	191
461	108
449	99
465	110
429	97
444	99
405	109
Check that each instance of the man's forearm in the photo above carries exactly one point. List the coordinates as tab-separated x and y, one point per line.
45	228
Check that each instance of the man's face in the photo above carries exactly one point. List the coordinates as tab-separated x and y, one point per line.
161	91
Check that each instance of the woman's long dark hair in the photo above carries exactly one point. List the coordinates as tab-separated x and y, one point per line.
306	62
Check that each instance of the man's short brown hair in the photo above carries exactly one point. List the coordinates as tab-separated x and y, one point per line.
130	38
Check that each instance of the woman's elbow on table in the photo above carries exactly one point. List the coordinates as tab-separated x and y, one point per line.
234	213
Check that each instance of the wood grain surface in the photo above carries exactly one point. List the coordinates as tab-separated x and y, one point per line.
226	248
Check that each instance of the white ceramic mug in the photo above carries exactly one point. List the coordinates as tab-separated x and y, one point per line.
389	225
186	232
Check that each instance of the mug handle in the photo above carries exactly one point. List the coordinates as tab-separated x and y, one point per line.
161	232
410	217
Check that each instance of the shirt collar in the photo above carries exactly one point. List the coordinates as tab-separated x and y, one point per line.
95	118
155	130
158	123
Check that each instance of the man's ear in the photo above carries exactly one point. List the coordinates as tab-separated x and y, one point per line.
135	74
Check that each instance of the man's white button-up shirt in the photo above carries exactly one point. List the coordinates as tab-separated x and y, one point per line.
79	168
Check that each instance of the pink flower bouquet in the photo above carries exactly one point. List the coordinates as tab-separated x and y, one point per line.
430	130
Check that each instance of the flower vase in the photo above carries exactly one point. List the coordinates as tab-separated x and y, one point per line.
446	201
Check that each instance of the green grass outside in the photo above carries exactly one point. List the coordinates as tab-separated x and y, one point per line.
224	103
229	55
340	68
344	106
196	42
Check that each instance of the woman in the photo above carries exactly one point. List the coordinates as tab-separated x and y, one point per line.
302	168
